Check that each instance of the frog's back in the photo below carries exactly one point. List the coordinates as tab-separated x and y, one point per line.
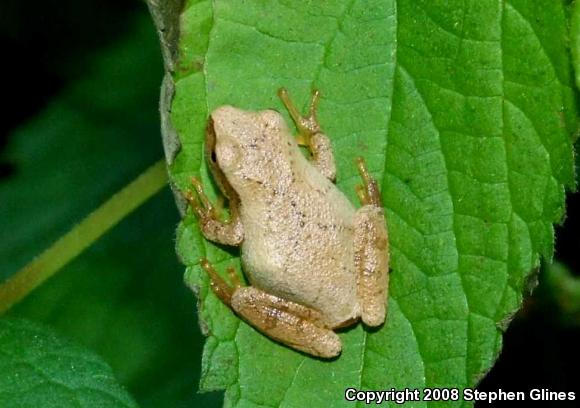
299	245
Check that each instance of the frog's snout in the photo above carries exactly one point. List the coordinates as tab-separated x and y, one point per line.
223	112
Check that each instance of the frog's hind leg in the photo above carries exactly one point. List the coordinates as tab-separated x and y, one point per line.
219	286
371	251
290	323
311	135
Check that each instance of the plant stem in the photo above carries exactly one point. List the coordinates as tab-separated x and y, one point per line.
81	236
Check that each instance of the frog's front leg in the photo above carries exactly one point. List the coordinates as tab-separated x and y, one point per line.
292	324
226	233
371	250
311	135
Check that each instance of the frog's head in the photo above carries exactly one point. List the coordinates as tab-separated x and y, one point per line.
249	148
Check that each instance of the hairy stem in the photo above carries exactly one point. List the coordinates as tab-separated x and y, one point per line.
81	236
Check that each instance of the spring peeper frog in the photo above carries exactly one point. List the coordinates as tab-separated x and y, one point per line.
314	262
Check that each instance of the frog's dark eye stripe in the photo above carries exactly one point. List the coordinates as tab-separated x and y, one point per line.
210	141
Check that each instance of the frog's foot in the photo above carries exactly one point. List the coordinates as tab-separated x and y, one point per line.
219	286
307	125
227	233
310	134
371	251
368	192
200	203
292	324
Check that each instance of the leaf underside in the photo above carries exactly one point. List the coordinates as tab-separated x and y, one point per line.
464	111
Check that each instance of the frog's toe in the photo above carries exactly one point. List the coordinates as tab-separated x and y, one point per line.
218	285
368	193
307	125
234	277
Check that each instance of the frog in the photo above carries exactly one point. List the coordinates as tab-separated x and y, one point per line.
314	263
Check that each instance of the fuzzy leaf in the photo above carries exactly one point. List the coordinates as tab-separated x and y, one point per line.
464	112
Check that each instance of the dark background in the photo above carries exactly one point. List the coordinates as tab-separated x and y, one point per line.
48	46
79	121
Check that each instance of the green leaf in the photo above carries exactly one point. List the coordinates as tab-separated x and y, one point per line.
464	112
575	39
38	368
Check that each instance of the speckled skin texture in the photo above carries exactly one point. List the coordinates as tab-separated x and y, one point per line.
314	262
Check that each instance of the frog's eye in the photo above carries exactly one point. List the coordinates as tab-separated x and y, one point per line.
210	143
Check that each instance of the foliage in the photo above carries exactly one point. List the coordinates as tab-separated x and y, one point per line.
39	369
465	112
123	298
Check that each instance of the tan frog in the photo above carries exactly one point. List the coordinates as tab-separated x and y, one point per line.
314	262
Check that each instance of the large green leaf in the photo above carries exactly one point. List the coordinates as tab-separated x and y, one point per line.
464	112
575	39
38	369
